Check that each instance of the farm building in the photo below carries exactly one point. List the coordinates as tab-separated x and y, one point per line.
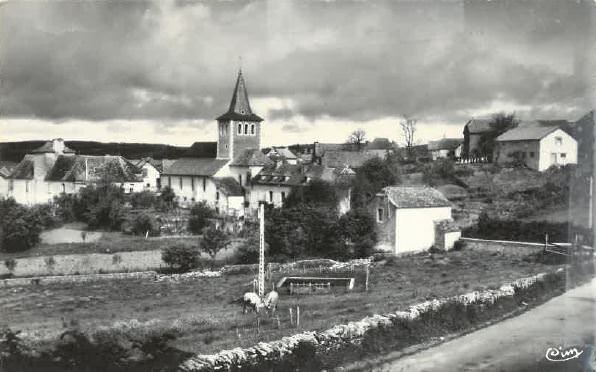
473	131
412	219
537	146
151	175
53	169
446	148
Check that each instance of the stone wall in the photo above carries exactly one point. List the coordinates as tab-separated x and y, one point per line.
503	246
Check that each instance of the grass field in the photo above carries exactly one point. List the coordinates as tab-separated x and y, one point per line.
201	308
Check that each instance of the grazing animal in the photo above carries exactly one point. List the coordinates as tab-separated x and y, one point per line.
271	301
252	302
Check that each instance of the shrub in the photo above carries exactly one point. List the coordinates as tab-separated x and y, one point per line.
200	213
359	228
437	170
459	245
214	240
144	223
168	197
144	199
181	258
19	227
10	264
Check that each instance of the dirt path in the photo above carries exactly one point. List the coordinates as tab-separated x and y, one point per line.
516	344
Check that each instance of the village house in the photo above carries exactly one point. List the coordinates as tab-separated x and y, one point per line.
473	131
413	219
53	169
446	148
538	146
381	147
6	169
151	173
282	153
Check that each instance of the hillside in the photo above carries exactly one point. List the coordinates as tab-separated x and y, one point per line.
14	151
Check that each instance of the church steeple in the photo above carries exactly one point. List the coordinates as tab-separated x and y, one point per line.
240	106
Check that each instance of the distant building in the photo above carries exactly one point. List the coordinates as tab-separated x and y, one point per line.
151	173
53	169
473	131
538	146
381	147
282	153
446	148
412	219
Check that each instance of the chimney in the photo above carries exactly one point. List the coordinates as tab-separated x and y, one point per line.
58	145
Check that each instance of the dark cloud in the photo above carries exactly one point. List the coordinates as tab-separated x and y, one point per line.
349	60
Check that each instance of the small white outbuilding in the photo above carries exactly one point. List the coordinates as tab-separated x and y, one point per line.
407	218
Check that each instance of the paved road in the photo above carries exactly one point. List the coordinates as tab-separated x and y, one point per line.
517	344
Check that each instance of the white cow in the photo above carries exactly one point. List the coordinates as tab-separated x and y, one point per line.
271	301
252	301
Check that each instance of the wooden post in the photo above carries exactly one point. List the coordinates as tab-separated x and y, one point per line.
297	316
545	242
291	317
261	276
278	322
258	324
366	281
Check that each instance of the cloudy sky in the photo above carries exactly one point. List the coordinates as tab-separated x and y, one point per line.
162	71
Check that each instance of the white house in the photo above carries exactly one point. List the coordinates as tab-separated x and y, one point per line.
151	173
408	218
538	146
53	169
446	148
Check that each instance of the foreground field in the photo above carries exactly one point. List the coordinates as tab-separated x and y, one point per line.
201	308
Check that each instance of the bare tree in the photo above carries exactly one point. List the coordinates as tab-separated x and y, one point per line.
358	138
408	128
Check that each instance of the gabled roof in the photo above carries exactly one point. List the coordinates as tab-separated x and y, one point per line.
445	144
88	168
24	170
240	106
251	158
282	152
341	159
285	174
530	131
202	150
195	167
157	164
415	197
476	125
48	147
229	186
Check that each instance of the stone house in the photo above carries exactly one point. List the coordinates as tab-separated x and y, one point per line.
53	169
446	148
407	218
537	146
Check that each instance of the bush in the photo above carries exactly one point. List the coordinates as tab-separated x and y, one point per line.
359	228
19	227
143	200
10	264
459	245
143	223
200	213
438	170
181	258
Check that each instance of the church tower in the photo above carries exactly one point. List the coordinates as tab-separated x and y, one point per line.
239	128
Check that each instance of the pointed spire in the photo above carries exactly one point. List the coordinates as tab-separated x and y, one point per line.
240	106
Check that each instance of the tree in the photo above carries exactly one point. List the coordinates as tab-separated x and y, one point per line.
144	223
374	174
214	240
357	227
19	226
317	192
499	124
168	196
358	138
144	200
440	169
408	129
200	213
180	258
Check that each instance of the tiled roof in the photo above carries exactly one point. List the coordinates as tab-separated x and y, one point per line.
88	168
240	106
229	186
251	158
283	152
195	167
478	125
24	170
415	197
527	132
202	150
286	174
353	159
445	144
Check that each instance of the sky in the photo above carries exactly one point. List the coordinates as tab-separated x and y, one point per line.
162	71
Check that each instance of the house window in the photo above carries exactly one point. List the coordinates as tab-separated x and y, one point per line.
144	172
64	188
170	182
252	129
217	195
180	183
192	183
247	178
283	196
239	128
563	155
558	141
245	128
240	179
204	184
380	215
271	196
26	186
531	154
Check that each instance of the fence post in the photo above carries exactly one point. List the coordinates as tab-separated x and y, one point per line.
258	324
545	242
366	281
297	316
291	317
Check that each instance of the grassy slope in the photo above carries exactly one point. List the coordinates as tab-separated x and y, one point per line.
210	323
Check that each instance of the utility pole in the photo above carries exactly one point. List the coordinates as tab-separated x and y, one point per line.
261	277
